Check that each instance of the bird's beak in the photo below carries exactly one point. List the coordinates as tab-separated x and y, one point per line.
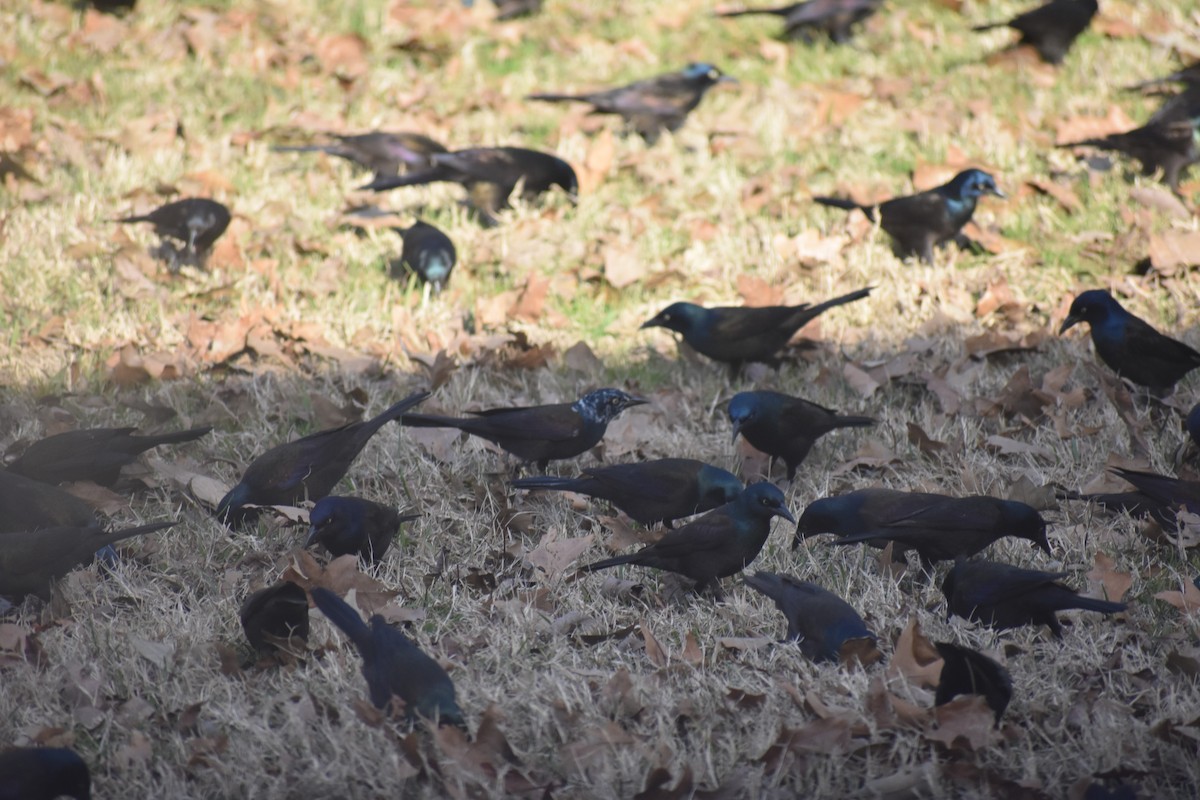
996	191
737	428
636	401
1068	323
727	79
783	512
650	323
1043	543
312	536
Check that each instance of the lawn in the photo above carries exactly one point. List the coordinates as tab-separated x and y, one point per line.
611	683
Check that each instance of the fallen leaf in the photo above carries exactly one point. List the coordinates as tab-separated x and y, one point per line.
553	555
916	659
1106	582
1187	600
965	723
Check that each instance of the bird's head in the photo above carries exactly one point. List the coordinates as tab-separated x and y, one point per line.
331	515
763	499
743	410
564	177
678	317
718	486
1093	307
705	73
231	511
1024	521
67	772
971	184
827	515
605	405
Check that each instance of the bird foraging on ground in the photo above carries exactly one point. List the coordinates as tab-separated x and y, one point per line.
1129	345
716	545
274	616
393	665
490	174
967	671
93	454
540	433
428	253
1052	28
352	525
197	222
384	153
44	773
783	426
817	618
833	18
650	492
1165	144
919	222
307	468
652	105
735	335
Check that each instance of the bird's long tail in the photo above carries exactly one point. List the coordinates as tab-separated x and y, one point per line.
307	148
989	26
615	561
343	615
853	422
1092	604
548	482
848	205
1105	142
113	537
558	98
381	183
746	12
821	308
176	437
396	410
430	421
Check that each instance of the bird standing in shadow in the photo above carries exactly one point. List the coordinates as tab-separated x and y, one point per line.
31	561
783	426
1165	144
817	618
652	105
967	671
735	335
44	773
197	222
540	433
428	253
384	153
307	468
716	545
490	174
1003	596
92	454
393	666
352	525
919	222
1050	29
833	18
650	492
1127	343
274	616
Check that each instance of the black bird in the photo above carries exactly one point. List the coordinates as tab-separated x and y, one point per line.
352	525
720	543
1168	144
428	253
384	153
860	512
306	468
941	528
919	222
783	426
30	561
1157	496
393	665
652	105
1003	596
1189	76
1128	344
271	617
967	671
196	221
490	174
651	491
540	433
92	454
1193	425
511	9
833	18
735	335
43	773
817	618
29	505
1050	29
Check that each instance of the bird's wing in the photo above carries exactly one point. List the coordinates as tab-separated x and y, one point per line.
733	323
542	423
710	532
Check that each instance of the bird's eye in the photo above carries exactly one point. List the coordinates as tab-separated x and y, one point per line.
714	74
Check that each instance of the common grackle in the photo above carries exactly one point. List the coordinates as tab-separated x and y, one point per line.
834	18
859	512
92	454
1189	76
490	174
1158	496
736	335
720	543
307	468
652	105
820	620
1167	144
1050	29
511	9
1128	344
919	222
540	433
941	528
651	491
428	253
1003	596
30	561
352	525
43	773
967	671
393	665
196	221
271	617
783	426
28	505
384	153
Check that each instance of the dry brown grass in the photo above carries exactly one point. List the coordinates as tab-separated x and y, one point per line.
130	672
